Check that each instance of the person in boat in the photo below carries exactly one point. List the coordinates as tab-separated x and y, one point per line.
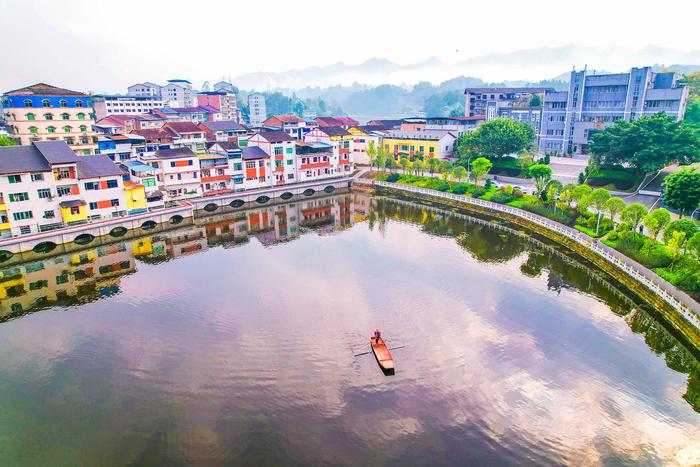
377	335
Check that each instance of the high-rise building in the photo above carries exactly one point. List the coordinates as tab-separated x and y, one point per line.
256	109
225	102
487	102
595	101
46	113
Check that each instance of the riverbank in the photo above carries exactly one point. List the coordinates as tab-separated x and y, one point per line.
674	306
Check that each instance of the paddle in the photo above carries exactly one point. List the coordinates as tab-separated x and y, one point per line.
393	348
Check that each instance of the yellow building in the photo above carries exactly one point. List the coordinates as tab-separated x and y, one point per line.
135	195
74	211
4	216
419	143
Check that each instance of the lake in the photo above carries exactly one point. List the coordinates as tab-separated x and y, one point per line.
233	342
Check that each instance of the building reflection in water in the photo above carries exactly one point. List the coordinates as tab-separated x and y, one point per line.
96	272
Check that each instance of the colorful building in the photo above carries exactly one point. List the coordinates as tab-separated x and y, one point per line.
427	143
46	113
109	104
225	102
294	126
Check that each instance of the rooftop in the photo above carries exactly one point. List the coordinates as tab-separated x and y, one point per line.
177	153
96	166
337	121
506	90
290	118
430	135
275	136
334	130
139	167
182	127
253	152
43	89
224	125
22	159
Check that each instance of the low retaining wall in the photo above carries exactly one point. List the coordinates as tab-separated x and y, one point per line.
676	306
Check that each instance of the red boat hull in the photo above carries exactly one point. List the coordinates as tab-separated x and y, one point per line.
382	354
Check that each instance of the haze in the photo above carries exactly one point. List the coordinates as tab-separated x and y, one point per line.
105	46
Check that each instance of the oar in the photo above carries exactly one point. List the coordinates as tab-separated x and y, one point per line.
393	348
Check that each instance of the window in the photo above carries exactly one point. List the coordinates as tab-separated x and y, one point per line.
237	166
92	186
33	130
278	150
81	116
14	197
62	279
289	150
112	183
63	190
290	161
51	129
49	214
31	117
28	103
179	176
148	182
83	128
79	103
261	163
85	140
48	116
14	178
67	128
37	177
115	202
261	179
65	116
75	210
45	103
63	103
19	216
44	193
93	205
248	165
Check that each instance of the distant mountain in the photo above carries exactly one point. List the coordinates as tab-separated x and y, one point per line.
515	67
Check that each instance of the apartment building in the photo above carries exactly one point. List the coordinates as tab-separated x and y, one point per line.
280	165
46	113
341	121
105	104
225	102
45	185
430	143
198	114
294	126
486	102
224	130
178	93
325	152
215	175
177	172
234	154
186	134
363	136
147	89
595	101
257	113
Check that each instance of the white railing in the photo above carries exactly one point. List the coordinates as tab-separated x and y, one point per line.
679	300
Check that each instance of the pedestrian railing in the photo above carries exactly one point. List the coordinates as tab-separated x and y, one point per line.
679	300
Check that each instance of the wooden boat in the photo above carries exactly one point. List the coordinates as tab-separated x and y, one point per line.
381	352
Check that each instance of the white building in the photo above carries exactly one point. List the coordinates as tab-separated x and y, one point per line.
144	90
178	93
270	159
256	109
105	105
177	172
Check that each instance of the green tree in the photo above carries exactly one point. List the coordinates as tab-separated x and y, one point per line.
433	165
535	100
419	166
647	144
371	154
390	162
403	162
564	199
599	197
656	221
675	246
680	225
445	169
380	158
496	138
525	160
6	141
613	207
459	172
682	190
541	173
583	203
580	191
480	167
693	245
633	214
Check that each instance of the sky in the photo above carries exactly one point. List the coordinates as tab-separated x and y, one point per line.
105	46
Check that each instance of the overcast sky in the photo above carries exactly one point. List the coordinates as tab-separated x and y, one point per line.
106	45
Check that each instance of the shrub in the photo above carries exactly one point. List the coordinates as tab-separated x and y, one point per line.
443	187
680	225
613	236
488	184
508	189
460	189
479	192
393	178
544	211
581	178
502	198
517	193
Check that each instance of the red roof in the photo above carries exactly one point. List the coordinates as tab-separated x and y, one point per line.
337	121
43	89
154	135
286	118
182	127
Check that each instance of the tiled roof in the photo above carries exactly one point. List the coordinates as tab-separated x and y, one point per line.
275	136
337	121
385	122
253	152
224	125
96	166
177	153
56	152
291	118
182	127
334	131
43	89
73	203
226	145
506	90
154	135
22	159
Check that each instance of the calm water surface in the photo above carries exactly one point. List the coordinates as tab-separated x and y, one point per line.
232	342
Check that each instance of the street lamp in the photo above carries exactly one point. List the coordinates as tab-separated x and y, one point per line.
693	213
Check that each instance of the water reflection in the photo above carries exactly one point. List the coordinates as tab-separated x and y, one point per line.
230	341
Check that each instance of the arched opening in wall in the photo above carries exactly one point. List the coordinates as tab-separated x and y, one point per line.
44	247
262	199
329	189
176	219
118	232
211	207
236	203
149	225
286	195
83	239
5	255
309	192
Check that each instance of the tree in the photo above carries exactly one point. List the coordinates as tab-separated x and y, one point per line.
614	206
647	144
535	100
419	166
459	172
580	192
445	169
433	165
693	245
599	197
496	138
564	201
675	246
584	203
390	162
680	225
682	190
525	160
380	158
6	141
371	154
542	174
633	214
552	195
480	167
403	162
656	221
